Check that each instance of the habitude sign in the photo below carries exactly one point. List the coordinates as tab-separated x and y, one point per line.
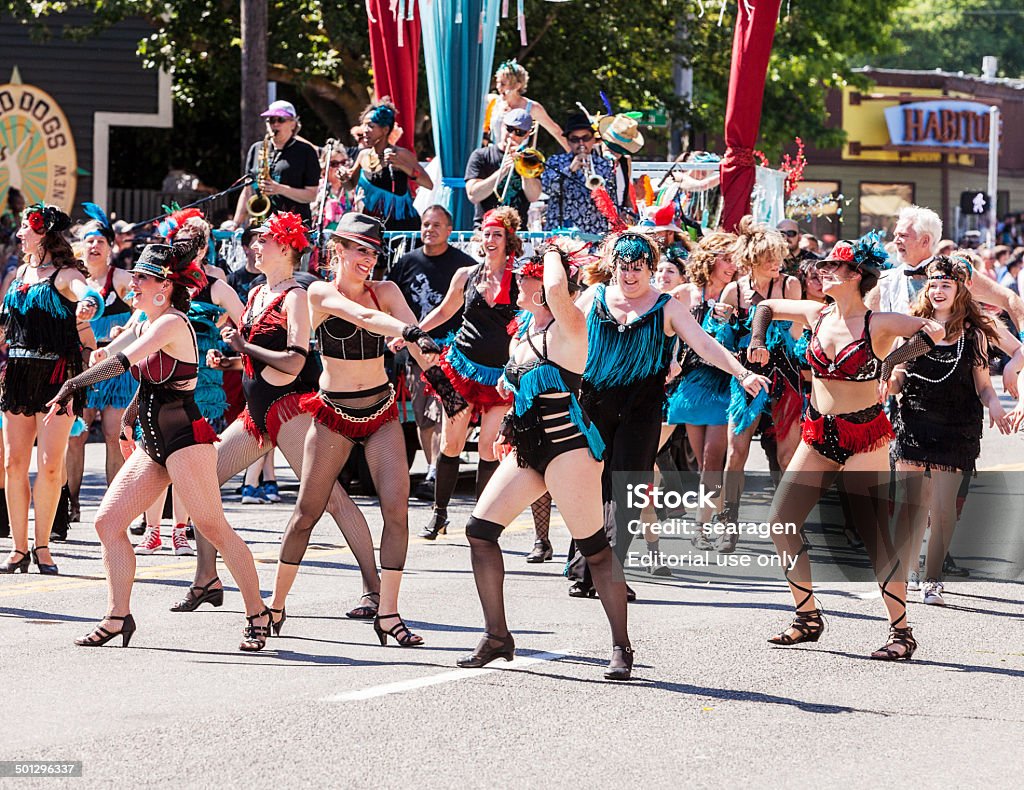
37	150
939	124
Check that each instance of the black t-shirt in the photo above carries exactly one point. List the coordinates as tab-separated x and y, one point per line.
295	165
484	162
424	279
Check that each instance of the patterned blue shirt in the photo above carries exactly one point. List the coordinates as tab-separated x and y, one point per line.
569	202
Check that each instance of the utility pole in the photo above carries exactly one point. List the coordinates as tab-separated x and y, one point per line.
682	80
254	72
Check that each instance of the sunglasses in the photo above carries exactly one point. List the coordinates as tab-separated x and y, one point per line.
516	132
576	139
827	267
337	163
273	120
790	234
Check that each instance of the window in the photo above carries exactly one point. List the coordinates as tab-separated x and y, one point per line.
880	204
818	207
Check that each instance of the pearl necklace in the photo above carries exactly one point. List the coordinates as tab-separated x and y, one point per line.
956	360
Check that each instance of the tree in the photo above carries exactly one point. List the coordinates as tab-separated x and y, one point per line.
319	53
937	34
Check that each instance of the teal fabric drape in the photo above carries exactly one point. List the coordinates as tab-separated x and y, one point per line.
458	52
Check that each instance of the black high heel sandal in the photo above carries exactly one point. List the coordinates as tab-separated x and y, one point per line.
254	637
809	625
276	625
365	611
898	638
438	526
621	665
100	635
399	632
17	565
206	594
489	649
46	570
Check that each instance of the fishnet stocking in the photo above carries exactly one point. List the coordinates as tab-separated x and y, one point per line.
542	516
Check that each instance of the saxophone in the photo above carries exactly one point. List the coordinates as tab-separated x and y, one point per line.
259	204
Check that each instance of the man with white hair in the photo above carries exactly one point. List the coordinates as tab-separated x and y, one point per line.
917	236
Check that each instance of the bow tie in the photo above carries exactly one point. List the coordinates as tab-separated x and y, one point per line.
918	272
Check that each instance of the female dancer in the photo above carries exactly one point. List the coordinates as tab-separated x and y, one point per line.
277	370
382	172
553	447
40	314
351	317
760	251
700	398
940	417
210	306
473	361
631	328
109	398
510	81
844	429
176	440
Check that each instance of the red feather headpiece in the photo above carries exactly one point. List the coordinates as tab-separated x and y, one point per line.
287	230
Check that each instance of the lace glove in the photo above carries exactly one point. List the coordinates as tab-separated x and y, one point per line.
759	326
451	401
426	344
107	369
918	345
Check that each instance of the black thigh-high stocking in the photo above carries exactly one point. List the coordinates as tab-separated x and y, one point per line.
606	571
542	516
484	472
445	480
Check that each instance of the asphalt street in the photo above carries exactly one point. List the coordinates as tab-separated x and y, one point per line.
711	703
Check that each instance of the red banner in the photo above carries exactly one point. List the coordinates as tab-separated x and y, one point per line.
751	48
396	68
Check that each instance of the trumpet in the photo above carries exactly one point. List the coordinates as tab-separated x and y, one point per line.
258	205
592	179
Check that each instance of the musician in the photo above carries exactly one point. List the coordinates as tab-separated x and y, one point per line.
565	180
491	176
621	137
293	164
383	173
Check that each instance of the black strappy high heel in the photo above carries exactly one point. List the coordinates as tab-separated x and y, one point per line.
365	611
197	596
100	635
899	636
399	632
254	637
46	570
810	624
17	565
277	624
490	648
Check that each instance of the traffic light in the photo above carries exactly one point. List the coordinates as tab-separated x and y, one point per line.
974	202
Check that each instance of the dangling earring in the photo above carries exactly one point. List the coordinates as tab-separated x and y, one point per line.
159	300
534	299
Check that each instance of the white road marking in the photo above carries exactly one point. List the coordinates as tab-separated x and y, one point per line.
445	677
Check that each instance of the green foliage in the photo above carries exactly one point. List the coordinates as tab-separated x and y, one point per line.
938	34
319	53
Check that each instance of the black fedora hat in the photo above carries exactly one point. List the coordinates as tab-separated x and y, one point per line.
361	229
575	122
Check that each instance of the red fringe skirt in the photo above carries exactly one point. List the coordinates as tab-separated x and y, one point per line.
281	411
352	422
480	397
841	436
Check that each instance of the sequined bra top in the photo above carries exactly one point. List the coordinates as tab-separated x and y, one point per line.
341	339
855	362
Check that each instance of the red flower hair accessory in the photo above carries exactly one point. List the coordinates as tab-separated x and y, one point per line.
35	221
286	229
192	277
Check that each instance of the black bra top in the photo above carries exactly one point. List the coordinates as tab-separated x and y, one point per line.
341	339
514	371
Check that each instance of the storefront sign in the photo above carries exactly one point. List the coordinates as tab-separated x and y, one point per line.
939	124
37	150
